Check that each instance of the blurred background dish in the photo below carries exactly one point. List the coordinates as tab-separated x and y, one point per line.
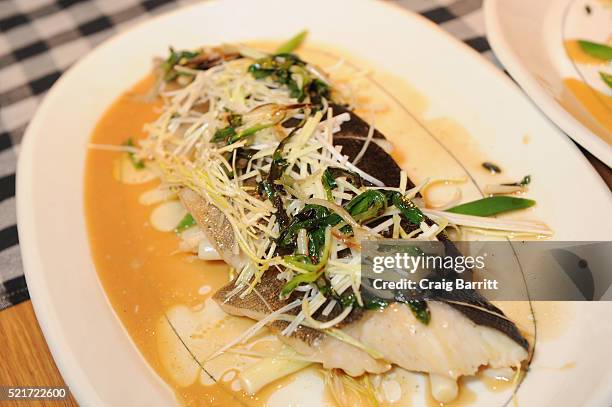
559	52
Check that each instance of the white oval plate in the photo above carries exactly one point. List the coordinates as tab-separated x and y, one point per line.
92	350
528	36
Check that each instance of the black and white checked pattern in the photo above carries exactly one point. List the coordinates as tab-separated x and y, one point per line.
40	39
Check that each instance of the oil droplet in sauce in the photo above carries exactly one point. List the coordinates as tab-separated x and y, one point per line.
495	384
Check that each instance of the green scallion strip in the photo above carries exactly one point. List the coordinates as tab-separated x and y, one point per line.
329	183
606	78
249	132
304	278
185	223
223	134
367	205
408	209
596	50
493	205
138	164
293	43
313	271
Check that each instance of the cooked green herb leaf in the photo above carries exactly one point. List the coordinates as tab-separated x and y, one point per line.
370	302
329	183
367	205
313	269
293	43
138	164
311	218
596	49
248	132
316	243
420	310
185	223
408	209
492	206
283	69
351	177
224	134
347	300
375	303
176	57
272	191
317	90
606	78
304	278
492	168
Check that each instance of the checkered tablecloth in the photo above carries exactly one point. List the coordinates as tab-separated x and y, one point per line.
40	39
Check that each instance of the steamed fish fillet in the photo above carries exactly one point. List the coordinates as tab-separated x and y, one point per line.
330	352
451	345
457	341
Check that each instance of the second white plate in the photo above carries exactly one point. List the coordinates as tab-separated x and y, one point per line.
528	38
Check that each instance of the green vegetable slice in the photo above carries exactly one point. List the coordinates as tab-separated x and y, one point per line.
492	206
248	132
606	78
285	70
312	270
138	164
596	49
173	59
312	217
329	183
223	134
420	310
309	277
408	209
367	205
185	223
292	43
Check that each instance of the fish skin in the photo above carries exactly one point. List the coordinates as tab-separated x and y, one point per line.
269	288
215	225
375	161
